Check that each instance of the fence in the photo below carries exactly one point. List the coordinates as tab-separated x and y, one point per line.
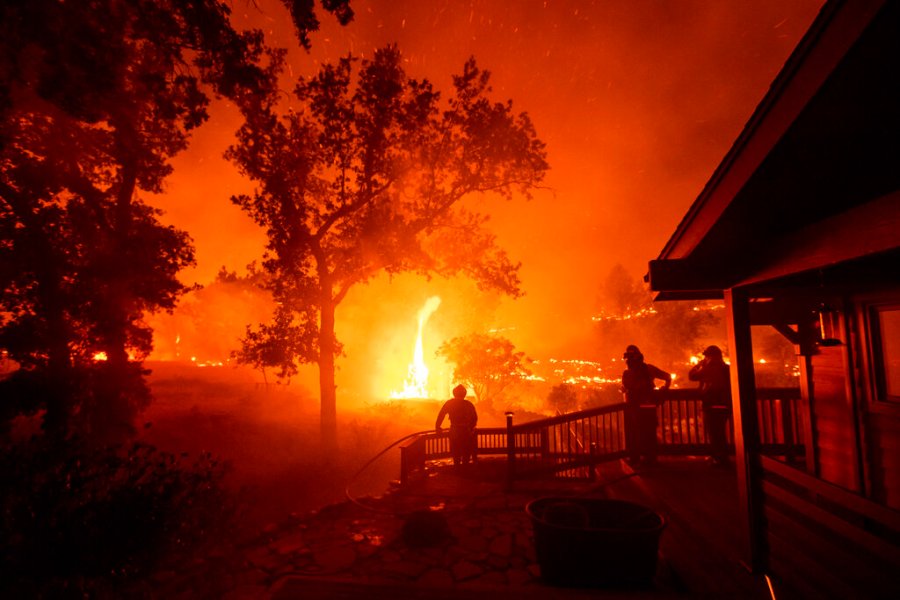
573	443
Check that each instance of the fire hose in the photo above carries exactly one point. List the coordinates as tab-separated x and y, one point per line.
369	463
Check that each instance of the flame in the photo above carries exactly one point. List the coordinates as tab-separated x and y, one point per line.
102	356
416	385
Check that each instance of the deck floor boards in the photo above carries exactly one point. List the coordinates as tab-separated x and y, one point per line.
702	542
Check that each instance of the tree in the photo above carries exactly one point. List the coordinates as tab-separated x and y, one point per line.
95	98
675	331
667	332
367	177
563	397
488	364
621	294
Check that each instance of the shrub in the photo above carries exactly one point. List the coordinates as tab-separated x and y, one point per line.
563	398
86	522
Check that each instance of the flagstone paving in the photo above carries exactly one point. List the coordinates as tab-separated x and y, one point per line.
360	543
490	541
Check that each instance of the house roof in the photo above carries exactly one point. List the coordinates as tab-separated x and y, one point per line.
814	178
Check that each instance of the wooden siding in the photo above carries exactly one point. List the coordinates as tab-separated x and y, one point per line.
884	458
824	542
833	419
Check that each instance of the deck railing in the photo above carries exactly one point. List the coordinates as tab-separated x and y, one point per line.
574	442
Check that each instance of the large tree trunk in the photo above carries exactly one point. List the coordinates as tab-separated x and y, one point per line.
117	404
120	296
59	398
328	395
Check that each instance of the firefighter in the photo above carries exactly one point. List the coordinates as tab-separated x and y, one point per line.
638	384
715	389
463	419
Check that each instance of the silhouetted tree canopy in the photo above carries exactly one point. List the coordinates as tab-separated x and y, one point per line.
563	397
621	294
367	177
95	98
488	364
667	332
303	13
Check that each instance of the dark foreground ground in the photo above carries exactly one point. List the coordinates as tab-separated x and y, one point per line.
268	435
357	549
288	546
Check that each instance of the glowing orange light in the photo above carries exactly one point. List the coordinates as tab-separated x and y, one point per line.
416	385
100	356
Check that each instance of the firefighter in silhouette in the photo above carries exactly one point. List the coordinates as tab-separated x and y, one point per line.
639	386
463	419
715	390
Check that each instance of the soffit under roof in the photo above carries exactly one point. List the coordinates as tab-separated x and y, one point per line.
840	151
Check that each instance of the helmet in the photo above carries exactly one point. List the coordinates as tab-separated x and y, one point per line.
459	391
713	351
632	351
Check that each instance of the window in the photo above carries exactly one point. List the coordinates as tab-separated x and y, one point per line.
886	330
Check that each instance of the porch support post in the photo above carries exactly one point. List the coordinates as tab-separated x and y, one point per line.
746	426
806	349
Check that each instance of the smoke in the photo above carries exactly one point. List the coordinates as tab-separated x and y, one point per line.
208	323
637	100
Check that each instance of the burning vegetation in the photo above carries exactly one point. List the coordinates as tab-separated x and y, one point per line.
416	384
384	274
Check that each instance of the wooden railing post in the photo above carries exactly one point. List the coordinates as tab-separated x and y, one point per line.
593	467
787	425
604	439
545	444
510	451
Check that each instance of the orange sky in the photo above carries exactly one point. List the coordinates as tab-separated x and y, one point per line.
637	101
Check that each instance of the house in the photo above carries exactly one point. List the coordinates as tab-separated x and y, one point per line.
798	229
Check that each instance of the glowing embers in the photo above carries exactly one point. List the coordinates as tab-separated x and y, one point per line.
102	356
416	385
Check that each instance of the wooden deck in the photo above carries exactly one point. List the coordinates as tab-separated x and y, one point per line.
701	546
700	549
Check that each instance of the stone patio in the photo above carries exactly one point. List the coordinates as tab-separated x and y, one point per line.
356	548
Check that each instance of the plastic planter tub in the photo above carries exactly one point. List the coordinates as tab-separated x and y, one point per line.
594	542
